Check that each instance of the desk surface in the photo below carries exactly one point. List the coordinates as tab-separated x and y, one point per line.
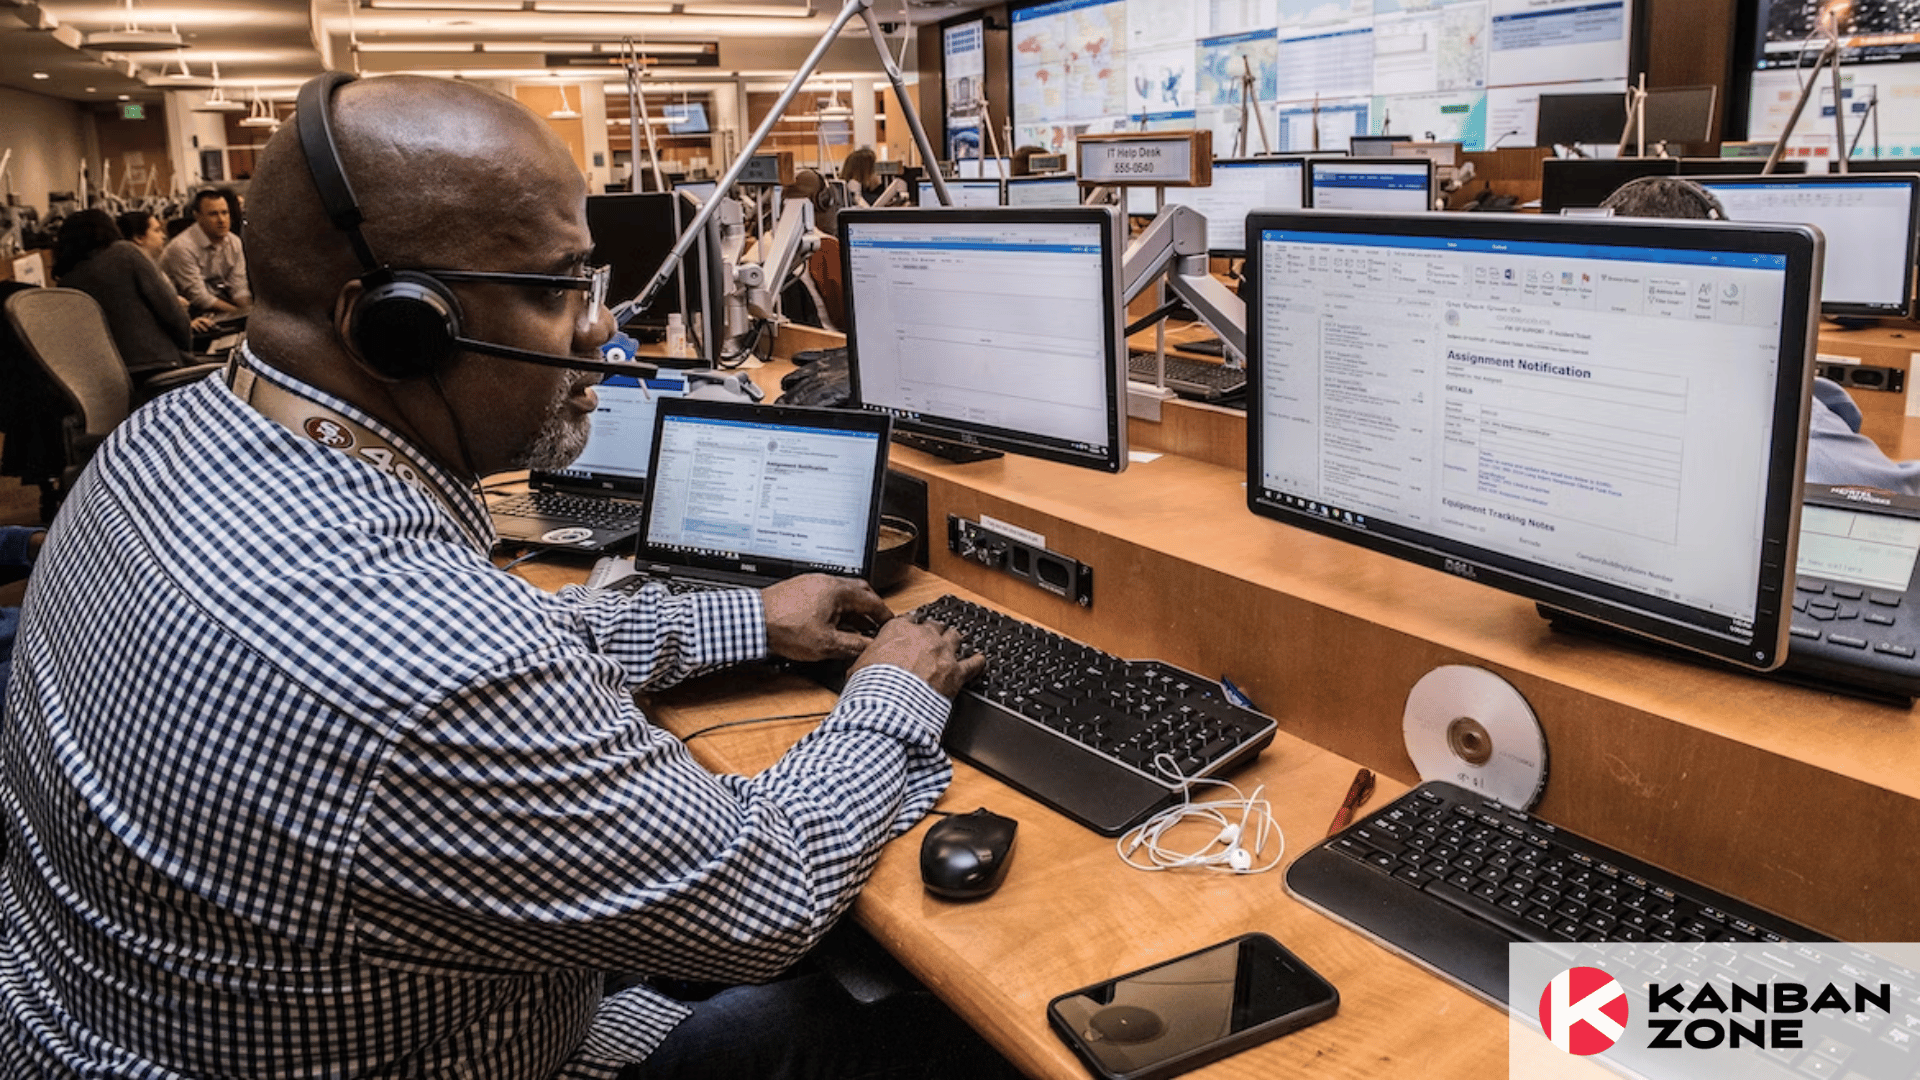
1070	913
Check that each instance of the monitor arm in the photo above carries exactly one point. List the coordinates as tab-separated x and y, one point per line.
894	195
1175	244
764	271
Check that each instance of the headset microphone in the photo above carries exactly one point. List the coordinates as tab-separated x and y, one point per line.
404	324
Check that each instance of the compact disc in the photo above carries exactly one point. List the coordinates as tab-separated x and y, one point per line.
1470	727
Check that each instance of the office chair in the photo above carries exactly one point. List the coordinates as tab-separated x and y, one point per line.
65	333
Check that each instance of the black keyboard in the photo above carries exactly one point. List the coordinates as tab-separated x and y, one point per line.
1190	378
1449	878
633	583
1085	732
600	513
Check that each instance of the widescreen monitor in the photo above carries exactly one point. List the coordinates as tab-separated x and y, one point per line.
972	193
1606	416
1387	185
699	189
1868	222
994	328
1567	183
1043	191
632	233
981	168
1374	145
1574	119
686	118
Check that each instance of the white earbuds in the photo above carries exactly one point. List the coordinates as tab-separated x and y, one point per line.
1242	817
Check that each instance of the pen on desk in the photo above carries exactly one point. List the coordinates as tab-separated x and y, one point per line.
1356	795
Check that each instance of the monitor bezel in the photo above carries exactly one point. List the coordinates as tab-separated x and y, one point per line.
857	421
1006	188
925	187
1112	223
1912	180
1597	601
1306	179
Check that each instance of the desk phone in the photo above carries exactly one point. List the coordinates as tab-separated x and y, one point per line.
1855	624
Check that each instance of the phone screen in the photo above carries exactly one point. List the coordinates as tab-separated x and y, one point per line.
1194	1009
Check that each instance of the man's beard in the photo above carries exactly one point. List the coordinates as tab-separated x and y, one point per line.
561	436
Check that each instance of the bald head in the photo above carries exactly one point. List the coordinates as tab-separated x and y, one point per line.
442	171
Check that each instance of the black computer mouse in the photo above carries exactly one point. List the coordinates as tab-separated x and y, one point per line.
965	856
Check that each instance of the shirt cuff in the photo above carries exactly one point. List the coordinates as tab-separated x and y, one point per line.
888	690
729	626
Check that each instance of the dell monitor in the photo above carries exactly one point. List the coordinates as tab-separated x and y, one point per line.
973	193
1606	416
995	328
1386	185
1680	114
1043	191
1868	222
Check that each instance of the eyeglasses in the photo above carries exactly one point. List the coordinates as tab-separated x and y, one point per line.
594	284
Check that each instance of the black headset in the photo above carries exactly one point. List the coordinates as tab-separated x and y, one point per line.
404	324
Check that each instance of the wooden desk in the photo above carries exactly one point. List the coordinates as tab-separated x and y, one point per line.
1070	913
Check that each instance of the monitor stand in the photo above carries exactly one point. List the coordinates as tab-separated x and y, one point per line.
945	449
1853	322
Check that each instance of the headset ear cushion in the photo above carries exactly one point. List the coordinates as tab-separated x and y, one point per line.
404	327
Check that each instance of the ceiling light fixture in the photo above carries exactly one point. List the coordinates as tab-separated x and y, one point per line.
565	111
130	38
41	75
444	5
590	7
747	11
260	114
217	101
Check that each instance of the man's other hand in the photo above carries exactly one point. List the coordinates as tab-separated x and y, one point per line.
807	617
926	649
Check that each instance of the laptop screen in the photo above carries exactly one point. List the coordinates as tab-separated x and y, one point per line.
615	457
765	490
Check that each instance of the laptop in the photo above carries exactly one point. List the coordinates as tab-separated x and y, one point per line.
592	505
745	495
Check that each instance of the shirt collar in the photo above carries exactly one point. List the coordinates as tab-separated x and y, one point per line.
458	497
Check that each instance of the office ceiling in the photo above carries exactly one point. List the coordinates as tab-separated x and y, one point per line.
269	47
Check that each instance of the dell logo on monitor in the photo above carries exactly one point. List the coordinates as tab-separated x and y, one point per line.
1463	569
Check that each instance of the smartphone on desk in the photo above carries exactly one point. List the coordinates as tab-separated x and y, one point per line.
1184	1013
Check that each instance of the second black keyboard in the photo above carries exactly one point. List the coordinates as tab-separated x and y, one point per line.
1190	378
1096	737
1449	878
586	509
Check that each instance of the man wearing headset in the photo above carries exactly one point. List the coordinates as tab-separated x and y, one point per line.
296	783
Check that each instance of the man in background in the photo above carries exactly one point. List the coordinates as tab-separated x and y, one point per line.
206	263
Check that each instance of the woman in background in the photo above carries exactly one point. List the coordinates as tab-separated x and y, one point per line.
144	314
861	174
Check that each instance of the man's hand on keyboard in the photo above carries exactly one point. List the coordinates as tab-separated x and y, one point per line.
805	615
926	649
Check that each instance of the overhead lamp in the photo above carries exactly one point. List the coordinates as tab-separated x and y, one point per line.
217	101
565	111
747	11
600	7
260	114
444	5
130	38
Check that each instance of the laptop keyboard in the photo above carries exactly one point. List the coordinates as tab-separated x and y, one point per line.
601	513
1084	731
633	583
1190	378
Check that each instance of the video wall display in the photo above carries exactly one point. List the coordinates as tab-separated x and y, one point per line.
963	50
1317	72
1879	77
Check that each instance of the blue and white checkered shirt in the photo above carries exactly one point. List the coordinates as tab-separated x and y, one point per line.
297	784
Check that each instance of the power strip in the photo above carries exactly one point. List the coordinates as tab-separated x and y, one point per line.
1058	574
